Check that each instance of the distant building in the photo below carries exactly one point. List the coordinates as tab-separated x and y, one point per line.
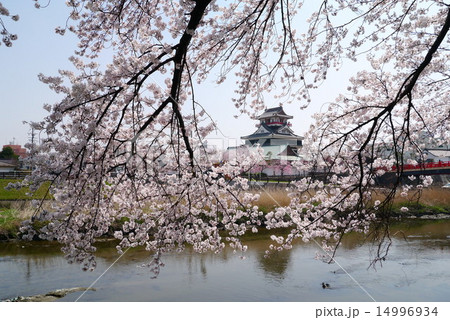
275	136
18	150
435	148
280	145
436	154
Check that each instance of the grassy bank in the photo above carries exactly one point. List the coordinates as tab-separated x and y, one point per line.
11	216
430	201
23	193
15	207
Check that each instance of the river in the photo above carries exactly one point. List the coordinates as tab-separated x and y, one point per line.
417	269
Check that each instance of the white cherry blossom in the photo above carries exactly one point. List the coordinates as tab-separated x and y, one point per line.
124	145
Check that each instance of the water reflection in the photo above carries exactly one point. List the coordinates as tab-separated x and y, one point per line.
276	265
416	270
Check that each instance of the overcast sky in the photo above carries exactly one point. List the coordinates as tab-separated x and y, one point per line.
39	50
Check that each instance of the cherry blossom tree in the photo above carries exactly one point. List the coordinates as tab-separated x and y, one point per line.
124	144
403	98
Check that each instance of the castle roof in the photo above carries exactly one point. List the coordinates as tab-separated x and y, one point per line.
278	111
265	131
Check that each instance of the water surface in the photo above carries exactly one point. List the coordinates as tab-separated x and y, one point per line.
417	269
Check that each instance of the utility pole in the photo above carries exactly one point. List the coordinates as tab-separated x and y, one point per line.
32	140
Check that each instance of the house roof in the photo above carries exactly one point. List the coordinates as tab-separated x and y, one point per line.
439	152
4	164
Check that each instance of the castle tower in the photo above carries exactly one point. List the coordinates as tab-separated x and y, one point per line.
275	136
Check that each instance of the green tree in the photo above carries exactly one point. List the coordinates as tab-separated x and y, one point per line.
8	154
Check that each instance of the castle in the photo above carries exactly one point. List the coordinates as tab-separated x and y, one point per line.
279	144
275	136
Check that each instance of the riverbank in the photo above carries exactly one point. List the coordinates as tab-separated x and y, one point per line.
433	204
48	297
429	204
12	214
